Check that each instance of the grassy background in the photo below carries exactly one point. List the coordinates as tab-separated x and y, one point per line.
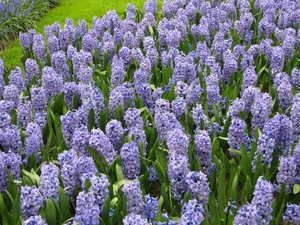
75	9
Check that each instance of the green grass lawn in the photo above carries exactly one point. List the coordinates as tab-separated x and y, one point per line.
75	9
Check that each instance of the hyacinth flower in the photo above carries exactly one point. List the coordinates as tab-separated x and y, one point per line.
49	181
296	157
236	133
198	186
52	82
286	172
161	105
69	122
16	78
237	106
67	160
137	134
10	163
151	208
261	109
24	112
80	139
114	131
130	160
32	69
38	98
177	172
203	148
192	213
11	139
179	107
133	218
177	142
134	198
245	215
87	210
31	200
35	220
102	145
38	47
85	164
262	200
292	214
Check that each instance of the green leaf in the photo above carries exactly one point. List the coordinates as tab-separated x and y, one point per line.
214	212
64	206
221	191
4	212
51	212
105	210
120	176
296	189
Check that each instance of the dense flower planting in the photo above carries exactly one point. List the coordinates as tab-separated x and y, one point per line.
189	116
20	15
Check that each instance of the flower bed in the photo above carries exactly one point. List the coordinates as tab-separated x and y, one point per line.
189	117
20	15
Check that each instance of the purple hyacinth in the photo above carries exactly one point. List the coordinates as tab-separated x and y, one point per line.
295	78
179	107
85	164
16	78
139	137
262	200
49	181
51	81
265	147
69	122
261	109
31	200
134	198
203	148
32	69
198	114
81	140
284	94
286	172
133	218
277	60
230	66
114	131
53	44
10	163
68	172
249	78
164	122
5	120
237	106
295	117
87	210
292	214
24	112
288	47
198	186
115	99
177	172
11	139
193	93
130	160
35	220
85	74
102	145
151	207
70	90
58	60
245	215
236	133
177	142
24	41
38	47
192	213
